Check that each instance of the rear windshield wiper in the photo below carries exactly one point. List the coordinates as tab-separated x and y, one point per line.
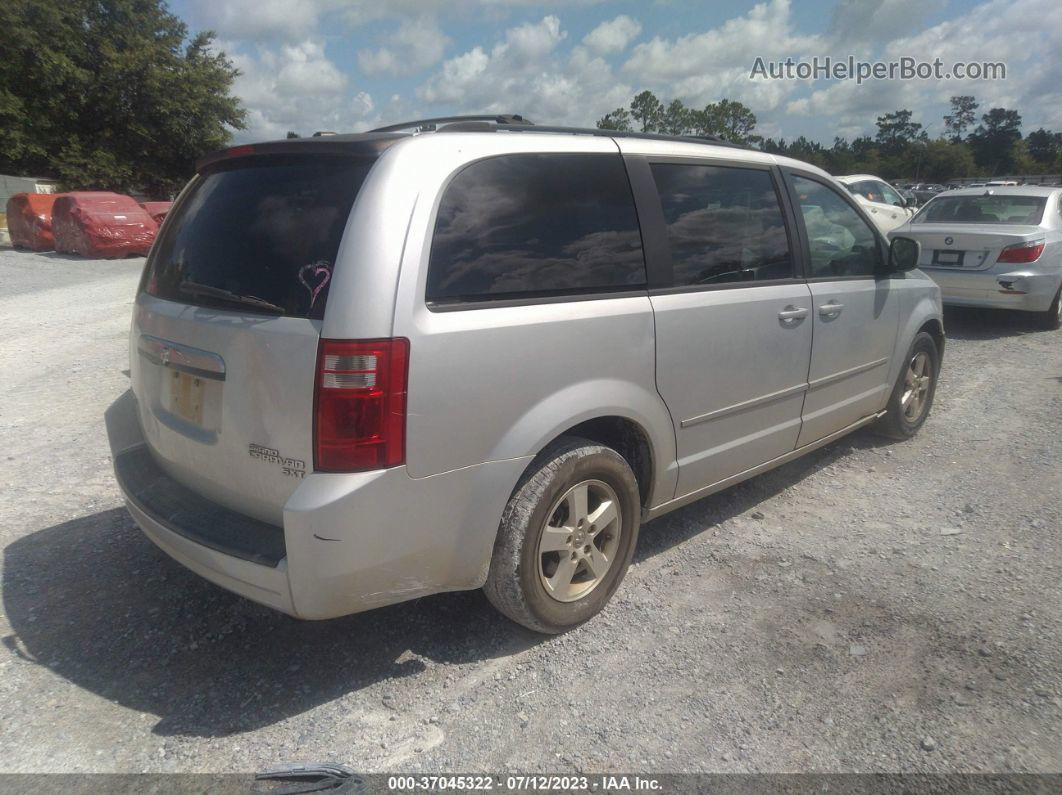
197	288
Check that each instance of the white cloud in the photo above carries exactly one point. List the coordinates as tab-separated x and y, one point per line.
416	45
613	36
295	87
1016	32
879	20
527	73
256	20
479	78
536	68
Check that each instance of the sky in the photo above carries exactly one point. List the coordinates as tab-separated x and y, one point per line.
350	65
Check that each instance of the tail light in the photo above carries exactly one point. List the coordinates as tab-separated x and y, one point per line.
1022	252
360	404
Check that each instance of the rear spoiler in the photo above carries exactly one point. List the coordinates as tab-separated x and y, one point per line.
359	145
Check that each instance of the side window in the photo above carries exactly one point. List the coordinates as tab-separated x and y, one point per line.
536	224
868	189
724	224
841	242
889	196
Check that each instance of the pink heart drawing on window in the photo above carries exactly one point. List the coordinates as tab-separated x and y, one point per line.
315	277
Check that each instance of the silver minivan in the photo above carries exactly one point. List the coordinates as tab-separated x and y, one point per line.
481	353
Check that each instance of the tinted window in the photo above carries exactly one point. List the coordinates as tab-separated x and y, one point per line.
998	209
724	224
266	232
536	224
841	243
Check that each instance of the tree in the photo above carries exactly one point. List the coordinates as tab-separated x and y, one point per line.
961	117
728	119
842	159
993	140
110	94
647	111
1044	146
619	119
675	119
946	160
896	131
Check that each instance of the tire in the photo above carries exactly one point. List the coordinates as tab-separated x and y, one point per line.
1052	318
900	421
572	476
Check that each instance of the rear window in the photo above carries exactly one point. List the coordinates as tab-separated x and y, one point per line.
536	225
1025	210
258	236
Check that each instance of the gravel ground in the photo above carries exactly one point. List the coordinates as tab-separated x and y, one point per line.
870	607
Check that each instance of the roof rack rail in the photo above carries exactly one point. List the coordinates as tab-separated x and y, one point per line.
714	140
508	120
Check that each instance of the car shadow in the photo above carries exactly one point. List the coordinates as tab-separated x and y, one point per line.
970	323
97	603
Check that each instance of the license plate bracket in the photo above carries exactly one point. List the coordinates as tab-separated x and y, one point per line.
186	396
949	258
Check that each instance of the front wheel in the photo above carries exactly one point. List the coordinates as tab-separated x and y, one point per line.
912	397
566	537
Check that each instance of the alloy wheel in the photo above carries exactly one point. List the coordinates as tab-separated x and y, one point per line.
580	540
916	385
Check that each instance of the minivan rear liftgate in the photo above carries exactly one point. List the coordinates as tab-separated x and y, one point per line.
224	344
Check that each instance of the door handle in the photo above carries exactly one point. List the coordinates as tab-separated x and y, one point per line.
791	314
830	309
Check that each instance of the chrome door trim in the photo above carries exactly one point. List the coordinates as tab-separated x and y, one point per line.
861	368
693	496
746	404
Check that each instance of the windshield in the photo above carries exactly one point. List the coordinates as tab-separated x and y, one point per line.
258	236
1026	210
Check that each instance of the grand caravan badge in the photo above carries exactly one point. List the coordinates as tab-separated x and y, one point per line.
291	467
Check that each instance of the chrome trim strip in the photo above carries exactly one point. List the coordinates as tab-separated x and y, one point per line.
747	404
712	488
181	357
862	368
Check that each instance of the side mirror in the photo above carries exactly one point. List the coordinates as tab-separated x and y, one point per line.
904	254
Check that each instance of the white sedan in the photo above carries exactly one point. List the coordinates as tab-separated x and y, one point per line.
994	247
887	208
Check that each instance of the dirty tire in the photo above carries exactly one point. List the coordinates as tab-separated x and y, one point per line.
1052	318
896	424
514	583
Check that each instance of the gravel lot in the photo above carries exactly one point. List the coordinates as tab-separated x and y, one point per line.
871	607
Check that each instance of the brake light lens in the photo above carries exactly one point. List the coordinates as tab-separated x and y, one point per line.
239	151
1022	252
360	404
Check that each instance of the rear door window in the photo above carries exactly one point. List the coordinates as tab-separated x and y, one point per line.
258	235
724	224
527	225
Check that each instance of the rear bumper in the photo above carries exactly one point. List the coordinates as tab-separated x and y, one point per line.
1026	291
349	542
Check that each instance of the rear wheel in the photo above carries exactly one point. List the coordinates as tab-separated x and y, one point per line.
1052	318
912	397
566	537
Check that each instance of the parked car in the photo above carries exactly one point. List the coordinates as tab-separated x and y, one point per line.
366	368
29	219
157	210
886	206
101	224
995	247
909	198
